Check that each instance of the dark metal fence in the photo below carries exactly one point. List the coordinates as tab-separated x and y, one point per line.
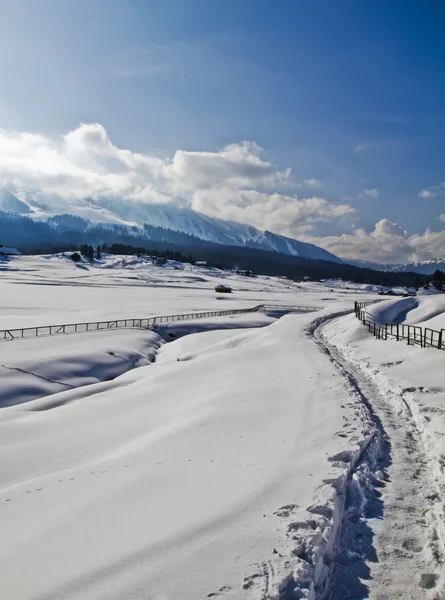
412	334
147	323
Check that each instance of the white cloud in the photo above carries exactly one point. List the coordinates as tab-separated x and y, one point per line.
427	194
280	213
361	147
370	193
312	183
386	243
236	182
432	191
373	193
442	218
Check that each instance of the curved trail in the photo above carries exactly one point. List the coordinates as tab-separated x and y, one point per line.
385	547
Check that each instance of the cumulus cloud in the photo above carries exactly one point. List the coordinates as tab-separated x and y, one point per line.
280	213
432	191
236	182
386	243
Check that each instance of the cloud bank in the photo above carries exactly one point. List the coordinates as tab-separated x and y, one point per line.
237	182
386	243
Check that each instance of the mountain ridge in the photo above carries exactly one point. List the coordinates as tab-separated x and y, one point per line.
423	267
175	216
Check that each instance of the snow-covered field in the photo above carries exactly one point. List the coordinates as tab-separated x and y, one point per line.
250	457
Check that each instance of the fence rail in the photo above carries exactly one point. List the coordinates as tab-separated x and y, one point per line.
146	323
412	334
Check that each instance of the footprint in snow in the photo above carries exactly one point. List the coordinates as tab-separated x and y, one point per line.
285	511
224	588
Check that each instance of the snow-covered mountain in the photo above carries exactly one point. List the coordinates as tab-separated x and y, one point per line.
10	203
179	217
425	267
176	216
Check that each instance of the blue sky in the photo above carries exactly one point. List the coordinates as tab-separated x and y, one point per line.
348	93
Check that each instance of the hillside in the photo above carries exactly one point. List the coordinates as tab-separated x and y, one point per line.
175	216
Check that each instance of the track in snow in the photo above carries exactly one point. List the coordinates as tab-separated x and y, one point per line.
385	548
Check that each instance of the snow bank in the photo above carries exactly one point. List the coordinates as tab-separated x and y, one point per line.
39	367
425	311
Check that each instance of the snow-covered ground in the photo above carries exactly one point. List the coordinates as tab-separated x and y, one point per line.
51	290
422	310
237	461
411	380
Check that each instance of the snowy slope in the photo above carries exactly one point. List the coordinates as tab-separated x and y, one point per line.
176	216
425	311
180	217
198	466
10	203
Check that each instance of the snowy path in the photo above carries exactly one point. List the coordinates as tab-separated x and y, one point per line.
385	530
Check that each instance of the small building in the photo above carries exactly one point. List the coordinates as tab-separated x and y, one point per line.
223	289
202	263
5	251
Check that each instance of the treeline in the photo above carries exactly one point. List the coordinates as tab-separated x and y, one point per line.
270	263
438	279
140	251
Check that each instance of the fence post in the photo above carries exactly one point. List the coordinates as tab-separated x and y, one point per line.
439	345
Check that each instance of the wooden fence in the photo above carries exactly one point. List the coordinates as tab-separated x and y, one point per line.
146	323
412	334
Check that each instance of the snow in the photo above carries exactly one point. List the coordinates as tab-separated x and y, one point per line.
170	464
425	311
65	293
215	465
70	362
412	382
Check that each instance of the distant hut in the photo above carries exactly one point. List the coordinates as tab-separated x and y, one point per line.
223	289
202	263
